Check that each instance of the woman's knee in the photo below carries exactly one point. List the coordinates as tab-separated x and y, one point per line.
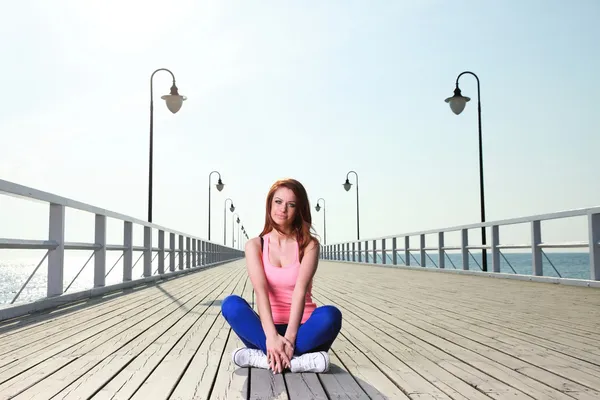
231	305
333	316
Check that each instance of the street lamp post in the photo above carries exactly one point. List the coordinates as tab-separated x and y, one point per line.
174	102
347	186
457	105
219	186
232	228
232	209
318	208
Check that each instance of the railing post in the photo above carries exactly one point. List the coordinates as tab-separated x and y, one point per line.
181	260
394	252
353	251
187	252
366	251
383	253
56	257
172	251
464	242
359	252
495	249
161	252
537	266
441	251
594	238
194	254
406	250
100	254
203	253
374	251
422	250
147	251
128	251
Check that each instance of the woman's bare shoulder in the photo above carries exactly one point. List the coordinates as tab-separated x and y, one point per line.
253	244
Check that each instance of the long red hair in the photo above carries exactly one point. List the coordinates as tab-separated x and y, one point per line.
302	224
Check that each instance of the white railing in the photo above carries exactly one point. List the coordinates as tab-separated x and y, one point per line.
389	250
185	252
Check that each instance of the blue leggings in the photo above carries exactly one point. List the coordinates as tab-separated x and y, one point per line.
316	334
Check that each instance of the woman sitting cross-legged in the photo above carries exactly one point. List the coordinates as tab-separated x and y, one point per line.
289	331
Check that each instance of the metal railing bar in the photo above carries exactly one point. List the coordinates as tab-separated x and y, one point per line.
27	244
114	265
508	262
449	259
138	260
30	276
474	259
82	246
428	256
555	270
86	263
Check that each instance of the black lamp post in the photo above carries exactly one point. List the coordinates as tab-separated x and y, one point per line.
457	105
347	186
174	102
318	208
232	209
219	186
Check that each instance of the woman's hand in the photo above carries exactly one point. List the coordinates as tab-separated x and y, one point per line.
277	353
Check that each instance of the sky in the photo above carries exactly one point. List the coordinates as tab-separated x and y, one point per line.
303	89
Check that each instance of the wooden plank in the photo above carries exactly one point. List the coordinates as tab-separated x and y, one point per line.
56	373
264	384
508	374
566	371
64	327
83	310
232	382
55	330
203	371
121	375
37	355
165	377
361	370
413	371
304	386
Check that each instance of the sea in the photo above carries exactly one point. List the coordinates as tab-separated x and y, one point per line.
14	273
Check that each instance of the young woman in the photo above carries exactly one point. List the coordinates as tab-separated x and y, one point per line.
289	331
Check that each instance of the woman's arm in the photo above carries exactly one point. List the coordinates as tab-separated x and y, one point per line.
257	276
308	267
276	354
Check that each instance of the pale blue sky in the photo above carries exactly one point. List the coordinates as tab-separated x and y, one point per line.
308	90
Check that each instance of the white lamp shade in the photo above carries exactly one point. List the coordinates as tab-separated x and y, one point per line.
174	102
457	103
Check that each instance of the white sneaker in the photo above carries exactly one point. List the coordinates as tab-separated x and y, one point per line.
245	357
311	362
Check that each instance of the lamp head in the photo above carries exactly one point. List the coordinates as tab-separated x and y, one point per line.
220	185
457	102
347	185
174	100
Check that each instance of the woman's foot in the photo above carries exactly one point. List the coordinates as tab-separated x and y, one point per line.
245	357
311	362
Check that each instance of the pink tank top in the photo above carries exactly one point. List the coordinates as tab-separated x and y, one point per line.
282	281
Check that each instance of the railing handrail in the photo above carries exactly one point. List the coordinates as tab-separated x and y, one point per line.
577	212
19	190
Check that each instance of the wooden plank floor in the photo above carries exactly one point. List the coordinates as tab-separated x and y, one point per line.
405	334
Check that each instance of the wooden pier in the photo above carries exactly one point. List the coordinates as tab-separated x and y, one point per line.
406	334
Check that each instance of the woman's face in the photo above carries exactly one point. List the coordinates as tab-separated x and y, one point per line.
283	207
